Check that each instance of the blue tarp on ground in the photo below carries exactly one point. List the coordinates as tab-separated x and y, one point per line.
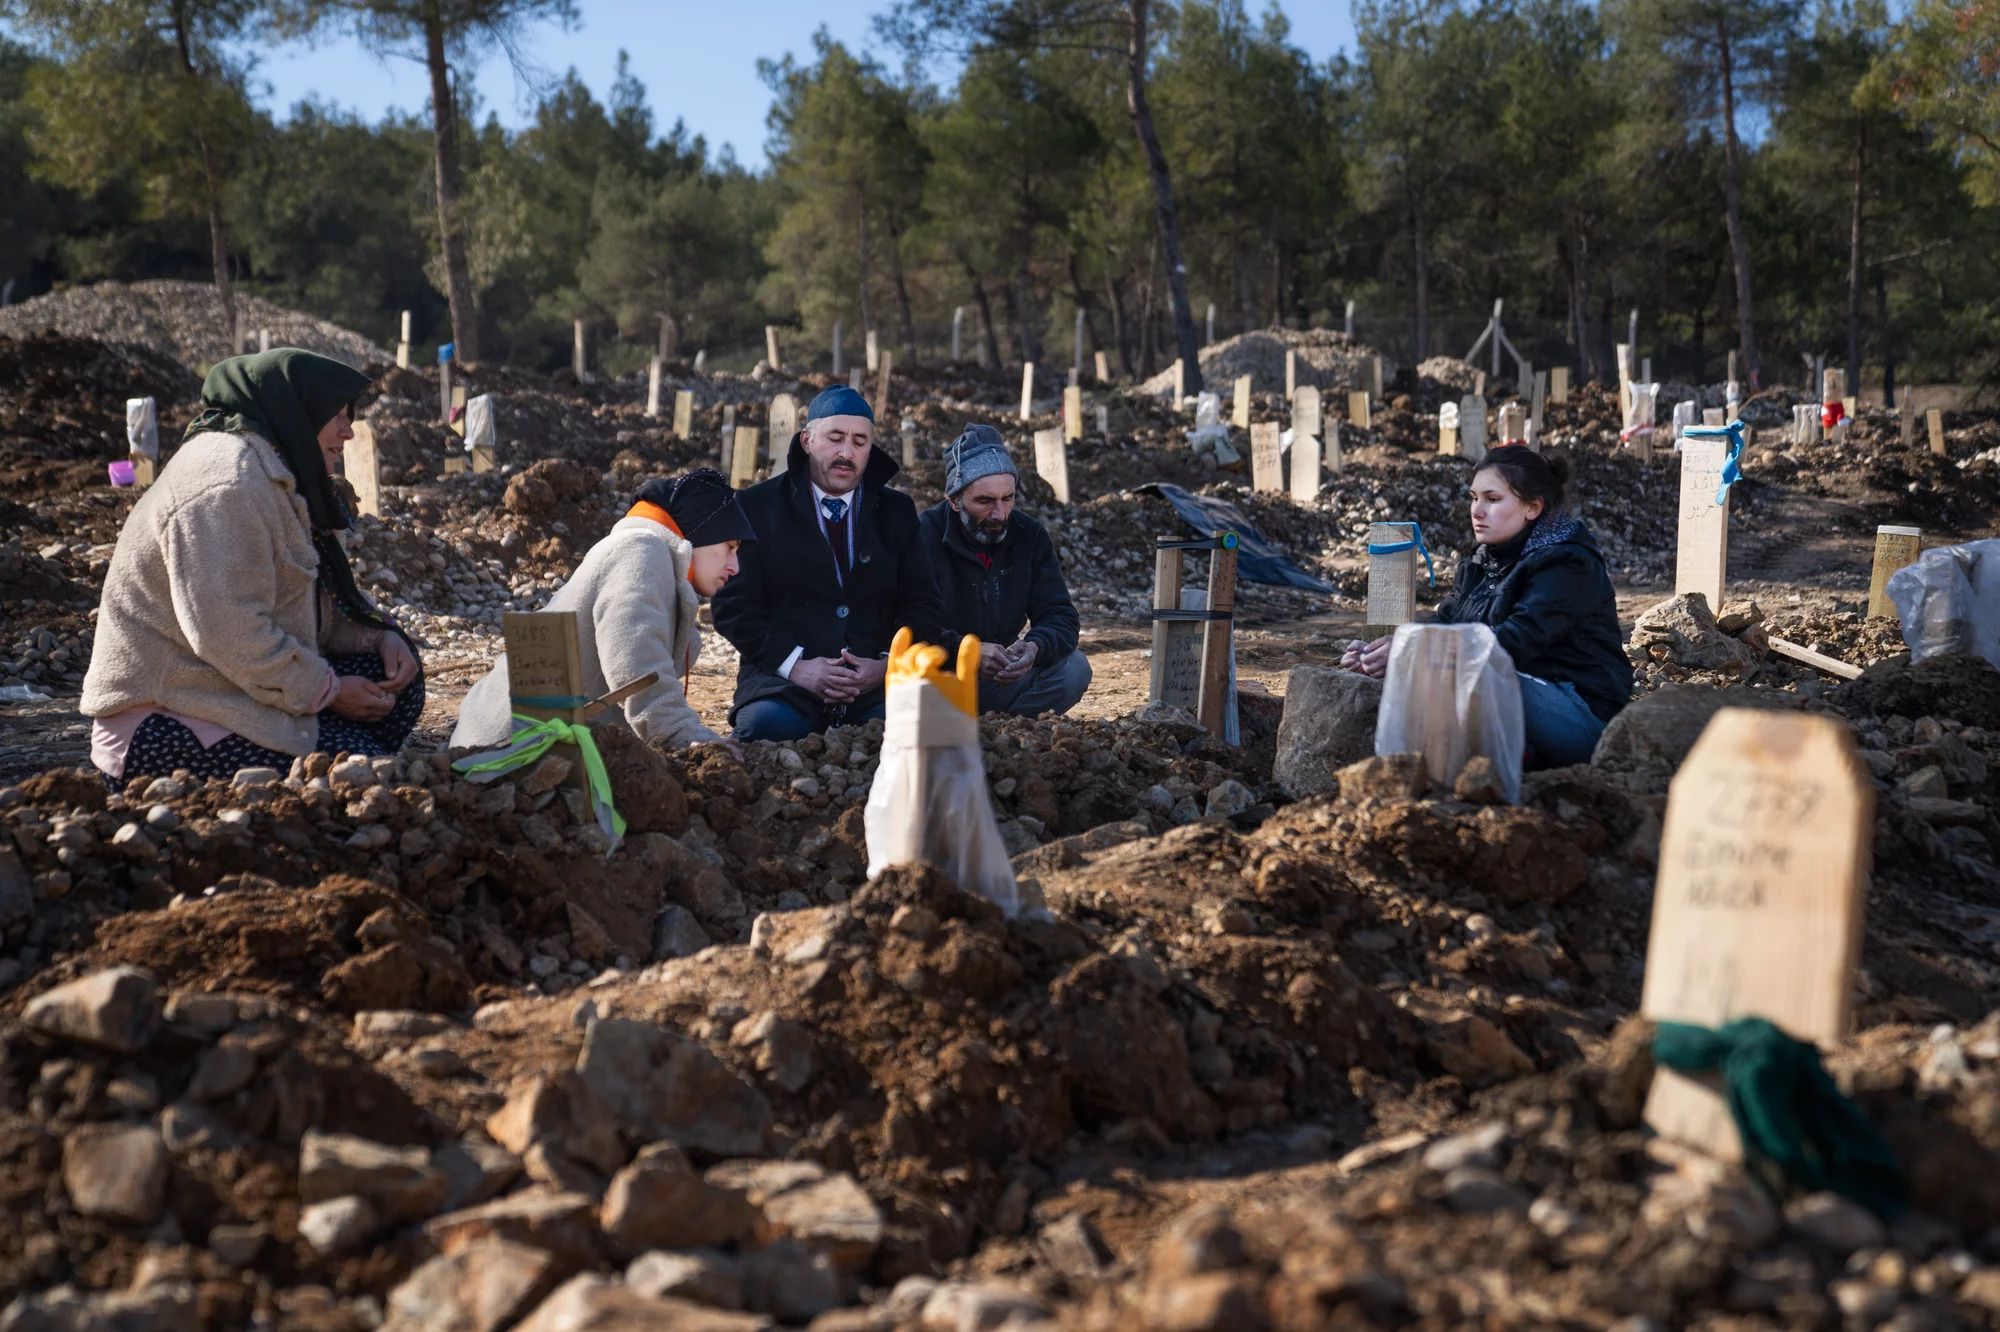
1257	559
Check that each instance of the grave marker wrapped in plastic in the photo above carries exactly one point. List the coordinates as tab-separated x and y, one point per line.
1450	693
142	428
1949	601
929	803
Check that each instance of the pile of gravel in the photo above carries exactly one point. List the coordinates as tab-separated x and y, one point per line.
182	320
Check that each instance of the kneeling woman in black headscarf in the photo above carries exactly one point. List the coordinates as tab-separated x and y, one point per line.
232	634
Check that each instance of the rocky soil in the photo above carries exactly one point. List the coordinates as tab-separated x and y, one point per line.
362	1044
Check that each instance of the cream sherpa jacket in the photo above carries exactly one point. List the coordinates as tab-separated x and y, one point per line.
210	605
635	613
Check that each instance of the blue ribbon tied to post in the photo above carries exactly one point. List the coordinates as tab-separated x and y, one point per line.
1416	542
1732	462
532	739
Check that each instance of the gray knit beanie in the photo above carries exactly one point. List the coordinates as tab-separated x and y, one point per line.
979	452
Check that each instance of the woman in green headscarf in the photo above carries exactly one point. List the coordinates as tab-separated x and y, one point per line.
232	634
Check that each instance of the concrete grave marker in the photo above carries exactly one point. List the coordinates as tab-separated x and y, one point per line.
1934	424
743	457
361	464
1683	418
1392	577
1472	427
1072	412
1052	461
1559	384
1702	557
1358	414
1306	418
683	413
1027	390
1757	908
653	388
1239	415
1524	381
1448	444
1103	421
771	347
783	425
1267	459
1305	467
1895	547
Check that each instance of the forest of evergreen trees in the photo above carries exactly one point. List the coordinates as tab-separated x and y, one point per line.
1762	176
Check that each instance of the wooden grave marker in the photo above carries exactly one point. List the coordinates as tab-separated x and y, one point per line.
1713	417
1934	424
1073	412
1267	459
743	457
873	351
1180	382
1052	461
909	434
771	347
784	423
1448	445
1537	403
1239	415
1305	467
1306	415
1291	373
1330	458
1895	548
444	385
1702	558
1102	364
1624	353
1906	419
544	661
403	344
579	352
855	380
683	413
1027	390
838	352
1392	577
1103	421
1559	384
882	386
1758	904
1358	414
653	368
1193	646
1375	380
361	464
728	444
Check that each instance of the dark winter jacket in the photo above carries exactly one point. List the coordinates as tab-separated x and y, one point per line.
1023	586
789	595
1550	603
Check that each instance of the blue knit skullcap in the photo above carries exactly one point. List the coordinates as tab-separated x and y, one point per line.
839	400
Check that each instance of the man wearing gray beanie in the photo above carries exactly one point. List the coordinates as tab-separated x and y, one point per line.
998	575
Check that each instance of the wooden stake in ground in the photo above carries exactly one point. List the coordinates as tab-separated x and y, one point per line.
1103	368
1027	390
840	352
1330	458
1306	417
1895	548
1559	384
728	449
1052	462
784	423
1358	414
882	387
1448	430
1376	385
1291	373
653	387
873	352
854	379
579	352
142	439
1073	412
1934	423
444	383
1624	351
1757	909
1906	420
403	344
1267	459
771	347
1180	382
1535	404
545	674
683	413
1305	467
957	334
361	464
1392	575
743	457
1240	415
1703	554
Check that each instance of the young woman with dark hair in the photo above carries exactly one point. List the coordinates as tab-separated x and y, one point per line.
1538	579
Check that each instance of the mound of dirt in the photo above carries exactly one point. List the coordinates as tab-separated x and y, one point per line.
180	320
1326	359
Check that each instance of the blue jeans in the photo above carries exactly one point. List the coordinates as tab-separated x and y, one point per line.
778	718
1562	730
1055	688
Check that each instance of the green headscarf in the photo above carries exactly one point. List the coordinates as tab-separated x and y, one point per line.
286	396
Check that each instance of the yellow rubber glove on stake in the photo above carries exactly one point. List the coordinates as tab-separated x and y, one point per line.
929	804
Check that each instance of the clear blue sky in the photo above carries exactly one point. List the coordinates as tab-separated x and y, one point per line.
697	60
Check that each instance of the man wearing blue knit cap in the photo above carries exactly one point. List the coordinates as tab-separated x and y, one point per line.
998	576
838	567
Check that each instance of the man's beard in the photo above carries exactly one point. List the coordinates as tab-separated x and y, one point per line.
980	533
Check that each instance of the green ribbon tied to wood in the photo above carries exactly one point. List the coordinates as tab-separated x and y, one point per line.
532	739
1793	1120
